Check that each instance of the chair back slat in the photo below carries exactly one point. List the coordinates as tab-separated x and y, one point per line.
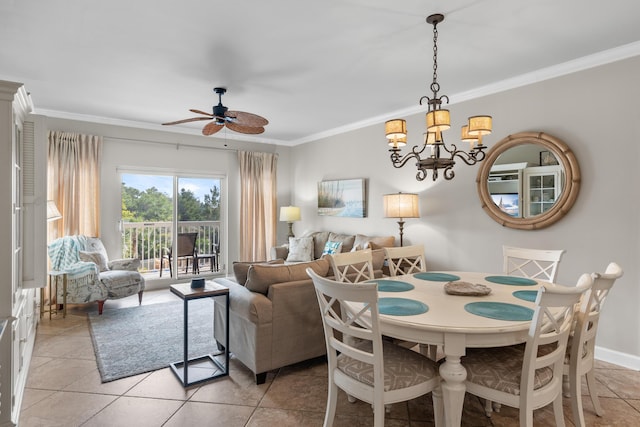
405	259
549	332
352	267
532	263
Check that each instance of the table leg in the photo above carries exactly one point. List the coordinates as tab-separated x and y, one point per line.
185	379
453	376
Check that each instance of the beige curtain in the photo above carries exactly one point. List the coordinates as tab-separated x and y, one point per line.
257	204
73	168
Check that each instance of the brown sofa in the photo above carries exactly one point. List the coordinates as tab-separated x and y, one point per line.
274	319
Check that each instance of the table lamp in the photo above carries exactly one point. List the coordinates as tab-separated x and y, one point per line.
401	205
290	214
52	211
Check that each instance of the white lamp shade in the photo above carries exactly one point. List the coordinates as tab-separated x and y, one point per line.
289	213
401	205
52	211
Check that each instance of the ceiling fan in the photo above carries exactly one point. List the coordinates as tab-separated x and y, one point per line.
238	121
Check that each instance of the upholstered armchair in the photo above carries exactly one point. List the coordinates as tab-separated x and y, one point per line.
90	275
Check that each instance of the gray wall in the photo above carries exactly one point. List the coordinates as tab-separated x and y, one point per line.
595	112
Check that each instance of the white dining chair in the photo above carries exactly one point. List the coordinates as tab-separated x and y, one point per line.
529	376
368	368
532	263
580	360
405	259
352	267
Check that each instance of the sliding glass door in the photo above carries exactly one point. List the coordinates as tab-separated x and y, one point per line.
172	224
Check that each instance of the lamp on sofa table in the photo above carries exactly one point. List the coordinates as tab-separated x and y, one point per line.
401	205
290	214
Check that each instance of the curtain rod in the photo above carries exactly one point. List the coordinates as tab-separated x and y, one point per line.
176	144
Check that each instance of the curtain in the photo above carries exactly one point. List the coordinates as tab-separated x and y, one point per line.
73	170
257	204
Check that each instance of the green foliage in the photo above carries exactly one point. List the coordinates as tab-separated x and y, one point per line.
151	205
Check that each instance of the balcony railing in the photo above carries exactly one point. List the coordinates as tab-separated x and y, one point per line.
148	241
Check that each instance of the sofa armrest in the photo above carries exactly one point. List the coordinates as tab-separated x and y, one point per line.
297	325
131	264
279	252
252	306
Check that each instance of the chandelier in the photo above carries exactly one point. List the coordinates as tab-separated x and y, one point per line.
435	154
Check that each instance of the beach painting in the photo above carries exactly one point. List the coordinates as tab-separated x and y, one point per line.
343	197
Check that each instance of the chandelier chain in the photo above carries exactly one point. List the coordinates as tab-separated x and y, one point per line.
435	86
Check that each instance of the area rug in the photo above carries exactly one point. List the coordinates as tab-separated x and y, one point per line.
131	341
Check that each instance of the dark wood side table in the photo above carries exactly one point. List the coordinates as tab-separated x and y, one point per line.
207	367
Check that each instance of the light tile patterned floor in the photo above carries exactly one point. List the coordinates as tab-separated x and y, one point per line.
64	389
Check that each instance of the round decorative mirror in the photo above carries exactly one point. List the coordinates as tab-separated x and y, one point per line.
528	181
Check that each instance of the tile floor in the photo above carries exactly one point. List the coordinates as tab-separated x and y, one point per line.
64	389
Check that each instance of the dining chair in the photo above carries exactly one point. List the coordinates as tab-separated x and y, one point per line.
532	263
405	259
352	267
529	376
581	347
368	368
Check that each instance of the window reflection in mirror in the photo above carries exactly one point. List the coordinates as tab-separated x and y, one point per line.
525	180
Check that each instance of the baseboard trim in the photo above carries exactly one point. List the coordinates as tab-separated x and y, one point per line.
618	358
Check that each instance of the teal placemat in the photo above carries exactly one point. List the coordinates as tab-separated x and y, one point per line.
499	310
436	277
511	280
392	285
526	295
401	306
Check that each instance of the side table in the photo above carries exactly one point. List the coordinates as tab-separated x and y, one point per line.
53	308
207	367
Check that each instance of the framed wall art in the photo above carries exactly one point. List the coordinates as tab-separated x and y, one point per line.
342	197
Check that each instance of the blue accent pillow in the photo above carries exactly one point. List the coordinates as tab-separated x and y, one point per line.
332	248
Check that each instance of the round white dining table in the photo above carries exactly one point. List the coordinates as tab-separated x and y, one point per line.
416	308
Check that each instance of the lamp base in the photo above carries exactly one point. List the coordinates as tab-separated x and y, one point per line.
290	230
401	225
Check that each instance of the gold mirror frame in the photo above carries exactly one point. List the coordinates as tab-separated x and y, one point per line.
563	204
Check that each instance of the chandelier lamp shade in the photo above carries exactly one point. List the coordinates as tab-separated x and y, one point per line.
401	205
290	214
434	154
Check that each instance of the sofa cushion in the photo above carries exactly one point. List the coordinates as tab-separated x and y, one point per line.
300	249
240	268
261	276
319	240
346	239
373	242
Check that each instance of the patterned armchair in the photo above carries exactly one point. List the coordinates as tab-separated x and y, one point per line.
90	274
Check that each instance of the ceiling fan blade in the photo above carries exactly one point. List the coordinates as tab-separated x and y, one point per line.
211	128
252	130
200	112
247	119
193	119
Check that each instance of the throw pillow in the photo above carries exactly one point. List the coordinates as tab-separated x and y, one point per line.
96	258
332	248
300	249
346	239
241	268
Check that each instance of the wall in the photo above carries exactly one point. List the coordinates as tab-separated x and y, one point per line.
594	111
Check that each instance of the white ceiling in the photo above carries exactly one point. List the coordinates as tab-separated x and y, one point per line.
311	67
